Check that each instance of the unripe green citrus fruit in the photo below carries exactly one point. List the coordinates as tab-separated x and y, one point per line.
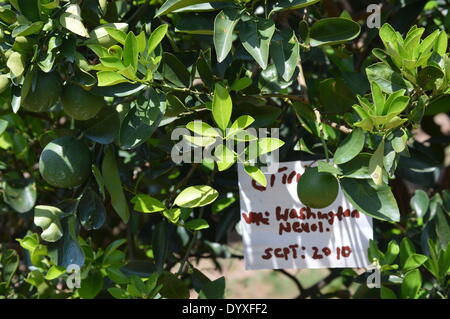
317	189
80	104
45	94
65	162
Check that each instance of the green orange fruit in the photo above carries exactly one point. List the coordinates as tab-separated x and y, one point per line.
79	103
44	94
65	162
317	189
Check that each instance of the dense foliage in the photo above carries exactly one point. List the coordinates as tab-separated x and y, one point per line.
91	91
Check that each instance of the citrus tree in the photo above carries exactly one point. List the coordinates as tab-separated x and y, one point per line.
92	90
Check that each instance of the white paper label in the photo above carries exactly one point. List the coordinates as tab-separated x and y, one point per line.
280	232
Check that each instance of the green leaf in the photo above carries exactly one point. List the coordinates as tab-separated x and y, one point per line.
285	51
255	35
420	203
146	204
213	289
173	214
55	272
91	211
428	77
414	261
175	71
268	144
160	243
336	96
172	287
350	147
197	224
71	20
328	168
116	275
411	284
241	123
130	51
292	5
113	184
406	249
256	174
222	106
196	196
48	218
104	127
91	286
156	37
3	126
388	80
329	31
143	119
387	293
108	34
441	44
27	29
358	167
376	164
172	5
20	194
10	261
378	202
225	157
16	64
202	128
108	78
224	25
241	84
221	204
391	253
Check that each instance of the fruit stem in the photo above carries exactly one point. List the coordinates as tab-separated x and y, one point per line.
321	135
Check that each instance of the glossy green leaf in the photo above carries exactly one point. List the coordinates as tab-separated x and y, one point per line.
160	242
91	211
196	196
224	25
420	203
175	71
91	286
292	5
256	174
222	106
71	20
392	252
285	52
20	194
388	80
146	204
48	218
411	284
329	31
172	287
378	202
143	119
350	147
156	37
213	289
256	35
225	157
113	184
172	5
414	261
196	224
